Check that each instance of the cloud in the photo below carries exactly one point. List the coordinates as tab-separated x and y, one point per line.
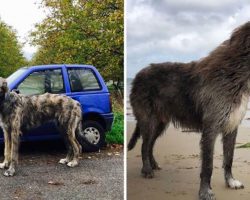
181	30
22	15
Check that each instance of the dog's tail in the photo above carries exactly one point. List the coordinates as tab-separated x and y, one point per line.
134	138
82	139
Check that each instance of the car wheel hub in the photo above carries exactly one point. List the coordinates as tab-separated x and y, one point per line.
92	134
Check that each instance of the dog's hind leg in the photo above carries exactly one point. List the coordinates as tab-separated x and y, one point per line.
72	126
73	151
229	140
159	129
147	130
73	147
69	155
7	150
207	149
76	150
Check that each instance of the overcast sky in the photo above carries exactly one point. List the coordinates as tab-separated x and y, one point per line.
22	15
179	30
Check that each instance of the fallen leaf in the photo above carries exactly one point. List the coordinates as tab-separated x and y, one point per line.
55	183
89	182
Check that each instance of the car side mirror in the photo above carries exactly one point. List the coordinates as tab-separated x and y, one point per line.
16	91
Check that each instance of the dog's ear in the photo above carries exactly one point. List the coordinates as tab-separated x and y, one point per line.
5	86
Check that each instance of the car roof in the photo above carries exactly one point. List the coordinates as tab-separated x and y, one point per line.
58	65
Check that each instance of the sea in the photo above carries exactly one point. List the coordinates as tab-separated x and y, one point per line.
129	112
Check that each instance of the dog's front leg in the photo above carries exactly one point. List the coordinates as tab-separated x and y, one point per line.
207	150
7	149
229	140
14	154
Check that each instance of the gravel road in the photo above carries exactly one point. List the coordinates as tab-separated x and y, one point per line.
39	176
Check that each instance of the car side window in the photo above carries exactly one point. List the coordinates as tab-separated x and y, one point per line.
39	82
82	79
33	84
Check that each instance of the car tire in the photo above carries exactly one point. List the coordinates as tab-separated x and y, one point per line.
94	133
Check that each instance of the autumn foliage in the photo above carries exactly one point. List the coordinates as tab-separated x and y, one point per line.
82	31
11	56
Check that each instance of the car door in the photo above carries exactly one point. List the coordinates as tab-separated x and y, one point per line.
86	88
36	83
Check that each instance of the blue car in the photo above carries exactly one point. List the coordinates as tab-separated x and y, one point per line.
80	82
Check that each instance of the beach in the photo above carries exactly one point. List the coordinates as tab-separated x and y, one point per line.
178	154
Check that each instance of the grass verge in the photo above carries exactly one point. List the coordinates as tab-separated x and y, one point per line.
116	135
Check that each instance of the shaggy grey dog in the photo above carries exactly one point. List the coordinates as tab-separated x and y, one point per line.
18	113
209	96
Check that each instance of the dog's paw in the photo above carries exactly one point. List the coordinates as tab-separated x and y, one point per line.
9	172
155	166
234	184
147	173
63	161
206	195
3	165
72	163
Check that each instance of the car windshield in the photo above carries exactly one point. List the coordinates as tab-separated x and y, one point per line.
16	74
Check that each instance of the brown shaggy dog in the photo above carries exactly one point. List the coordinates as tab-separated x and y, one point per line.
209	95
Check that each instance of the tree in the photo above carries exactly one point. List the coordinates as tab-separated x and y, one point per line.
82	31
11	56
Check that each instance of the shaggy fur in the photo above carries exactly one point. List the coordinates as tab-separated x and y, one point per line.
209	96
19	113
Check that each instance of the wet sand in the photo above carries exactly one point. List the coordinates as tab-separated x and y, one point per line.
178	155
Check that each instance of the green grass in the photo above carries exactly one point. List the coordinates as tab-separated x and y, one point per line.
115	136
247	145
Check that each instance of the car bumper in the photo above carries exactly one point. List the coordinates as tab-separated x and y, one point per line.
109	119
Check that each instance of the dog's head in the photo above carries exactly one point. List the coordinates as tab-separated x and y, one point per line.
3	89
240	38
